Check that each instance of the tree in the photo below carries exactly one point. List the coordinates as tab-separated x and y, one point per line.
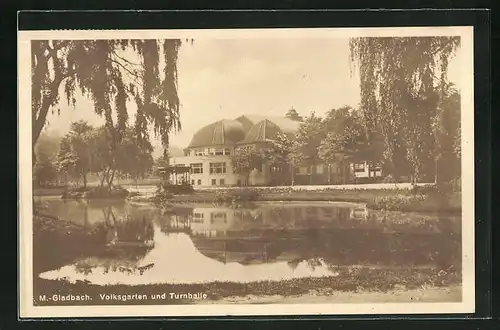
46	150
105	71
293	115
129	157
399	95
279	156
448	135
44	170
78	138
246	159
67	159
345	140
307	141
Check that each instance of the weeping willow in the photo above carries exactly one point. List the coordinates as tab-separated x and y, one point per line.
402	80
99	70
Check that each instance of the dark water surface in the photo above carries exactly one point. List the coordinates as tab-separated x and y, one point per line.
271	241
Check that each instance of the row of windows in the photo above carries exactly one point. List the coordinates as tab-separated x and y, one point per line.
214	168
361	167
212	152
213	182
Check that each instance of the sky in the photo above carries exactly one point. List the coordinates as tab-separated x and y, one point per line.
225	78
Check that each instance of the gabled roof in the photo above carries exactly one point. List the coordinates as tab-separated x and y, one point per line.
265	130
244	129
222	132
286	125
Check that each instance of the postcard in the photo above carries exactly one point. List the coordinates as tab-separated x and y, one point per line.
242	172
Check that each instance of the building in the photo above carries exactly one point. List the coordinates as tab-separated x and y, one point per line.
209	155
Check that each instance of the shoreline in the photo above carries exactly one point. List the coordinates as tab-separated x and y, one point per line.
373	199
452	293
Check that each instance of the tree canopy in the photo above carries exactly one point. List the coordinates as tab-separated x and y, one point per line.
402	80
110	73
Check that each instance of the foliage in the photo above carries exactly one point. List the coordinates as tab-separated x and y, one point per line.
345	139
293	115
66	162
129	157
236	197
279	155
44	171
245	159
396	202
308	139
110	72
96	192
399	95
79	148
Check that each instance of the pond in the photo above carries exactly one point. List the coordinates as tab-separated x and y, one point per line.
193	244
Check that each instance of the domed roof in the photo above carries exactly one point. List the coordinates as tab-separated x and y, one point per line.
262	131
222	132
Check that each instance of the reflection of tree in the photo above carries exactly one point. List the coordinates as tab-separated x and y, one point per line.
114	265
128	228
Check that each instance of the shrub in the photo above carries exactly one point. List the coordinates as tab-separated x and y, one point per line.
389	179
176	189
397	202
96	192
235	197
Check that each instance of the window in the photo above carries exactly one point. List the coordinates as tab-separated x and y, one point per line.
219	152
199	182
227	152
222	182
198	217
219	216
198	152
210	151
303	170
214	182
319	169
359	167
192	182
217	168
196	168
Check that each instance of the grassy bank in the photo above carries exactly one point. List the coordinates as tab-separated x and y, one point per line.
379	199
353	280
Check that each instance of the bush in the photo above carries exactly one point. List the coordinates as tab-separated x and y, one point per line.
236	197
389	179
176	189
399	202
96	192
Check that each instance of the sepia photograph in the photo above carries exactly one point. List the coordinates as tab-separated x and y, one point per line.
246	172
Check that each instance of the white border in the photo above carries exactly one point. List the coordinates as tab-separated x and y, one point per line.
26	308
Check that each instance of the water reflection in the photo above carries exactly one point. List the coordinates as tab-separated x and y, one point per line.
205	243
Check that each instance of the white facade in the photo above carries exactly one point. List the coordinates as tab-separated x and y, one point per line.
365	170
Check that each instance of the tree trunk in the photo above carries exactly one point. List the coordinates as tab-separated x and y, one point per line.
329	174
84	175
311	175
110	181
104	176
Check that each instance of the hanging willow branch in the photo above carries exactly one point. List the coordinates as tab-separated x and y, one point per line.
400	93
98	69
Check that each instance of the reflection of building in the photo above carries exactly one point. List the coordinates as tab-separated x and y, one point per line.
214	221
342	235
